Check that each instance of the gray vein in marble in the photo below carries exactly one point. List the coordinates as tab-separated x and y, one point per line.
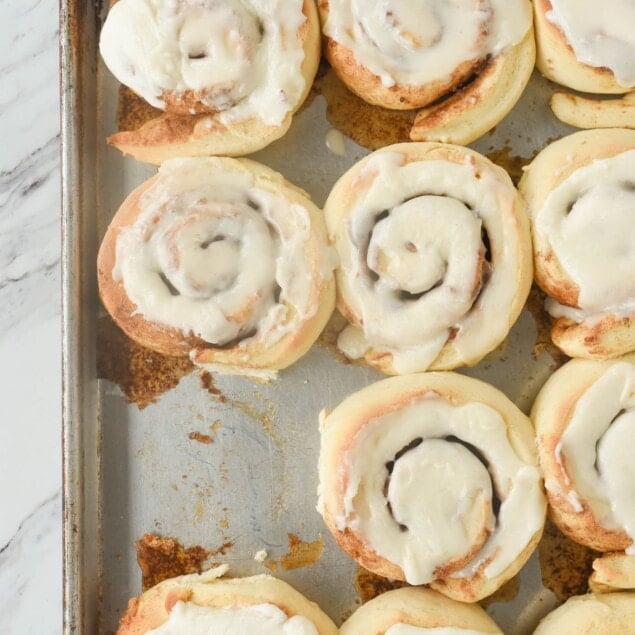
30	550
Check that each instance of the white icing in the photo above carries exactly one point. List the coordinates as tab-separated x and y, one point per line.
439	490
589	221
242	56
264	619
408	42
600	37
199	232
429	241
407	629
596	448
335	142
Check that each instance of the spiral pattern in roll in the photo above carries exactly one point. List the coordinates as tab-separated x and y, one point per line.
585	422
213	604
435	261
432	478
407	55
221	259
245	65
581	196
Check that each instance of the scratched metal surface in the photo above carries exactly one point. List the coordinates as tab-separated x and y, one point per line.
130	471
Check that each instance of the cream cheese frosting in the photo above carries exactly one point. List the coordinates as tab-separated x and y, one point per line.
412	259
602	38
242	57
588	221
421	498
216	255
407	629
264	619
416	43
596	448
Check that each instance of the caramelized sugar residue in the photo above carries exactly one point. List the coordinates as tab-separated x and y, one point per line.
370	585
205	439
565	565
161	557
133	111
536	306
301	554
370	126
329	335
506	593
142	374
207	383
511	163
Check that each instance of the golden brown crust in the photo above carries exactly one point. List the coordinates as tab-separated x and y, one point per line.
171	341
551	414
391	395
178	133
611	335
416	606
612	572
152	608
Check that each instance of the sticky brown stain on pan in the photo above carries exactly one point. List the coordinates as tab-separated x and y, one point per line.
370	126
370	585
199	437
565	565
133	111
162	557
536	307
207	383
300	554
513	164
143	375
328	337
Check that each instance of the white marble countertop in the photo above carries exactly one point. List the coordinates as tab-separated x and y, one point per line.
30	370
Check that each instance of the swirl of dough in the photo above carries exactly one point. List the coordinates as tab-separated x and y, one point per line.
418	611
407	55
435	257
432	479
581	196
585	422
243	66
209	603
590	51
220	259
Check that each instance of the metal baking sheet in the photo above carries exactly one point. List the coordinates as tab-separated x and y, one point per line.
230	467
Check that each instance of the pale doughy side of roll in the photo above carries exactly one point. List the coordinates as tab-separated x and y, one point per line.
152	609
587	271
573	413
418	607
265	240
608	614
612	572
435	256
379	435
190	128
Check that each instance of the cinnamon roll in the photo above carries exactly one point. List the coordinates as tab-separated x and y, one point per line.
609	614
228	73
223	260
592	51
464	64
435	257
418	611
581	196
209	603
585	422
432	479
